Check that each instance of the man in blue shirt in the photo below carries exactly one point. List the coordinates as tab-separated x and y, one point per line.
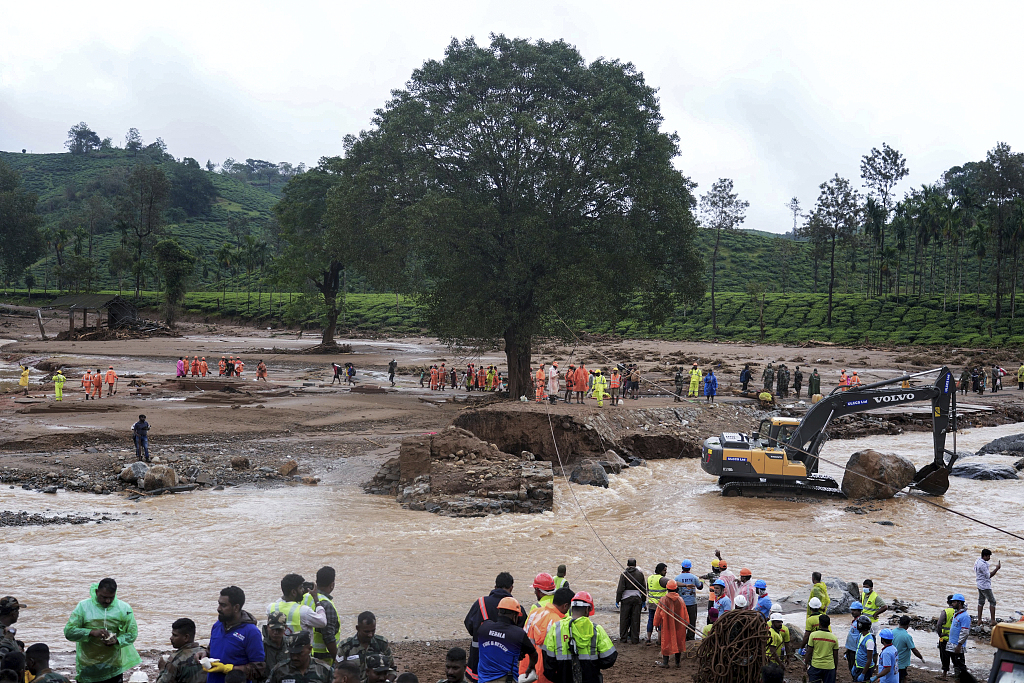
888	660
764	603
722	601
503	644
853	637
904	644
958	632
235	640
689	584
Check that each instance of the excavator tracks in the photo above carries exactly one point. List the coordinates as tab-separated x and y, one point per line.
811	487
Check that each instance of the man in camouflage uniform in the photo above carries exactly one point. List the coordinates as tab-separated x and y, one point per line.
37	662
365	642
275	645
182	667
377	668
798	381
681	381
782	384
769	377
10	610
301	666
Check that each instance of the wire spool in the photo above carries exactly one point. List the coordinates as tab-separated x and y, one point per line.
735	650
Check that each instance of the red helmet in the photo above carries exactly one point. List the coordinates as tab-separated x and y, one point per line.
583	599
544	582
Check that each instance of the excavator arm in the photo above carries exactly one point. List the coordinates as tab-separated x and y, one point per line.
809	436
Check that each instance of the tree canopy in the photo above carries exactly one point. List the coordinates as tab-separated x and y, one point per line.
513	184
20	241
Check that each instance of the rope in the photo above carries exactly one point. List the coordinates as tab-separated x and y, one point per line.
735	650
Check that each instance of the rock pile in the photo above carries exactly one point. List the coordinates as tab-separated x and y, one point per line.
841	593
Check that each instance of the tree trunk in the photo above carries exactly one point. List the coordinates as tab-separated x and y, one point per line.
331	313
831	280
517	357
714	266
999	273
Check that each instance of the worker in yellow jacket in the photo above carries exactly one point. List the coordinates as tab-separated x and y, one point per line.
696	379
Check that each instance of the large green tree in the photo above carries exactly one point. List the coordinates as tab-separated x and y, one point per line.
140	213
721	209
176	266
512	185
833	223
21	243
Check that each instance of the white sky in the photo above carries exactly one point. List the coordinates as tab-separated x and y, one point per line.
778	96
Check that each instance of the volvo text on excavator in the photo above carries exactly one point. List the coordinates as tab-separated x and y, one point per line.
782	457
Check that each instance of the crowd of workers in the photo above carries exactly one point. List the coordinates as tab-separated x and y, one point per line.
552	640
227	366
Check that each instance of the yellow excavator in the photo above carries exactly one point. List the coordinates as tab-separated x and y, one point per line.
781	458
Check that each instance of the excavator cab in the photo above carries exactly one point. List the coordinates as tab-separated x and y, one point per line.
775	431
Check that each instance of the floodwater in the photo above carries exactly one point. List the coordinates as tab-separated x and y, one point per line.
419	572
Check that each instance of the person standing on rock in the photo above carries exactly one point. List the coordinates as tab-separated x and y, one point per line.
695	382
798	381
710	386
393	368
58	385
745	375
140	434
814	383
983	574
873	605
630	596
103	629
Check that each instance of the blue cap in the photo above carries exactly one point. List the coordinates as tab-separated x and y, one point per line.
687	564
760	584
886	634
959	596
856	605
719	583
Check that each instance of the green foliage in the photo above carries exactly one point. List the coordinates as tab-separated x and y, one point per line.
175	266
20	240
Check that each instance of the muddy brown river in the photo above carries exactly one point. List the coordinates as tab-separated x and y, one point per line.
419	572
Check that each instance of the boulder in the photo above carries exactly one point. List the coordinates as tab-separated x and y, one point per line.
1019	465
1013	445
983	471
240	462
612	463
160	477
870	474
842	594
288	469
590	473
133	473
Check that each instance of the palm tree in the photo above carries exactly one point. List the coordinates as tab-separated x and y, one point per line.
226	260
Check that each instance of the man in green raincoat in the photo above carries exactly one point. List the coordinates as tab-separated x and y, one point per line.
103	629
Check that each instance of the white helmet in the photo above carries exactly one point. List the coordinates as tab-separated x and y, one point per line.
815	603
776	609
741	601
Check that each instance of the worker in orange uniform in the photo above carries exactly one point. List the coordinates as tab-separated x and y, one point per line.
195	366
111	379
855	381
538	384
540	621
221	365
616	381
433	378
582	382
87	383
203	367
261	371
844	381
672	620
97	384
239	367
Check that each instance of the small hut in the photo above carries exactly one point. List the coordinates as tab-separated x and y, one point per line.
119	312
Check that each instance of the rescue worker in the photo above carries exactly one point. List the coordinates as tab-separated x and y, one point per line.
965	381
359	648
745	375
97	384
544	589
140	434
538	384
582	383
782	381
23	380
600	386
37	663
183	666
814	383
552	387
570	382
942	625
221	366
454	661
764	603
855	381
486	608
393	368
576	649
179	367
745	587
560	579
695	382
853	637
630	596
442	376
716	570
655	592
538	624
864	660
798	381
673	622
103	629
240	367
722	602
261	371
888	659
274	645
688	587
844	381
10	610
195	366
503	643
614	384
111	379
873	605
816	610
297	606
58	385
680	382
818	590
727	576
1020	378
204	369
768	377
710	386
778	638
823	655
959	630
301	666
326	638
87	383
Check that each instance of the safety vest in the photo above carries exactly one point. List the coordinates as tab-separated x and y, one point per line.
592	642
615	380
654	590
559	582
319	647
544	600
948	612
777	641
291	611
844	381
862	650
871	606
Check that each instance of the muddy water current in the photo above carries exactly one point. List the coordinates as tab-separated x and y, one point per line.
419	572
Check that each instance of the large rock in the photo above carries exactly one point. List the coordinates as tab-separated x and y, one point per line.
841	593
160	477
1012	445
984	471
590	473
612	462
133	473
870	474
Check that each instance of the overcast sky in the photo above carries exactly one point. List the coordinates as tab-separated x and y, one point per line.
778	96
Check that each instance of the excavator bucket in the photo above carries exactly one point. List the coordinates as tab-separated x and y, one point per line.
932	479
